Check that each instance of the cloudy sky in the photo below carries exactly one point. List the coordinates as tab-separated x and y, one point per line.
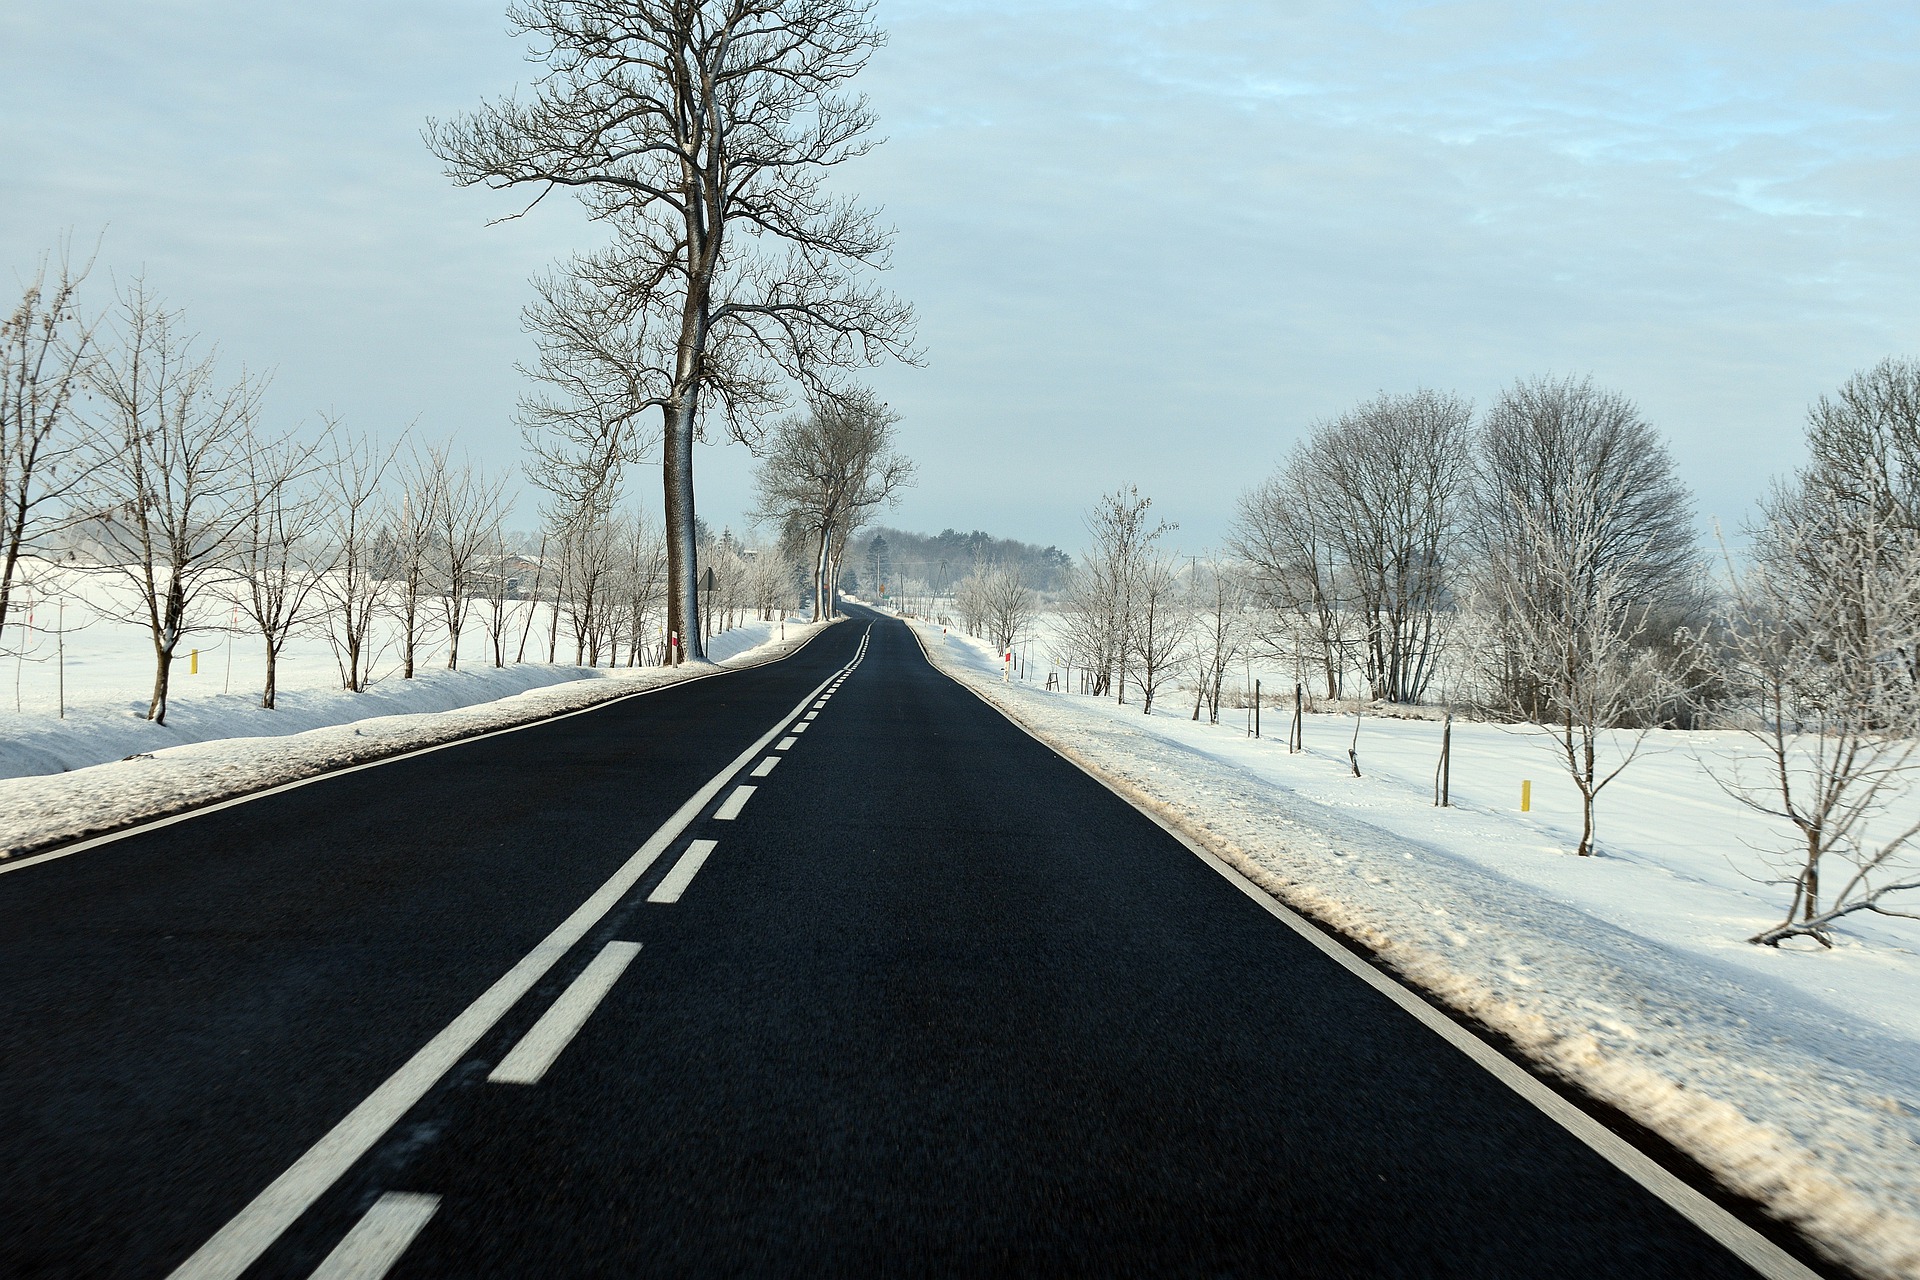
1149	242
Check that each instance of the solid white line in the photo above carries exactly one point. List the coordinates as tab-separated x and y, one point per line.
1746	1244
765	767
676	881
376	1242
250	1232
154	824
731	807
786	744
563	1019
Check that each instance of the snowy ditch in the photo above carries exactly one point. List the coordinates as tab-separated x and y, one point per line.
1792	1075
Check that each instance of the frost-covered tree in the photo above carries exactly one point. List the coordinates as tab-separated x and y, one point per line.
1162	612
1221	630
1567	469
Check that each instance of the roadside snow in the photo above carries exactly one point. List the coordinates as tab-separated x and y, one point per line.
222	745
1793	1075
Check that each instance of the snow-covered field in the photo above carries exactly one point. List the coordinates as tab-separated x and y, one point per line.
1793	1074
62	778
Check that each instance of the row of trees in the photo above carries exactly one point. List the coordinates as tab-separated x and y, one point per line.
1540	564
124	452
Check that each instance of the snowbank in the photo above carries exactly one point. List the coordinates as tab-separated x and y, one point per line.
1793	1076
221	746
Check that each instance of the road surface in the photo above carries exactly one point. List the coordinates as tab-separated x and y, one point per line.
565	1001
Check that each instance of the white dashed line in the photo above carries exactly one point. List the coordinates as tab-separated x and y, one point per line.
252	1231
376	1242
765	767
810	715
731	807
801	727
676	881
562	1022
786	744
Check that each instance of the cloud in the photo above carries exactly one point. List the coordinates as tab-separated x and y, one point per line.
1149	242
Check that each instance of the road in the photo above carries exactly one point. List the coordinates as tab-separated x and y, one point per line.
928	999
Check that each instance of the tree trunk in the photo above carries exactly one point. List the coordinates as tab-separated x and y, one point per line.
266	696
162	672
683	573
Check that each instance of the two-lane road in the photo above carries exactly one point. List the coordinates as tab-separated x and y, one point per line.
888	987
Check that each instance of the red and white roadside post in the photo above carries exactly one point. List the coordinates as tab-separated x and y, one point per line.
1006	670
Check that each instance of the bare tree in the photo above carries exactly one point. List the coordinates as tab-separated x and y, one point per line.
1575	626
1103	591
1221	630
1390	476
277	560
1556	455
171	486
466	519
1279	531
642	582
823	475
1163	623
47	354
357	521
1822	646
413	549
701	131
995	603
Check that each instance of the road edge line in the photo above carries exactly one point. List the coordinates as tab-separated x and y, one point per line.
1739	1239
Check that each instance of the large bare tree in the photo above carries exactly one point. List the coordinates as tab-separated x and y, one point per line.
702	132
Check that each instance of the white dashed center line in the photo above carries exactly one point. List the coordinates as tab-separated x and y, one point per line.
376	1242
765	767
786	743
562	1022
801	727
677	880
730	807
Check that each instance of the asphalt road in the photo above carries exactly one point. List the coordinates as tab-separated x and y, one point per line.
934	1002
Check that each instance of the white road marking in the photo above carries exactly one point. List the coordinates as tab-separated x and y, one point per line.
730	808
376	1242
249	1233
801	727
676	881
765	767
820	704
786	744
1746	1244
563	1019
810	715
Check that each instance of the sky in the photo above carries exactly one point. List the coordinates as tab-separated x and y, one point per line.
1148	243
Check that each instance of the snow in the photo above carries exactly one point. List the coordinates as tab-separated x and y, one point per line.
1792	1074
63	779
